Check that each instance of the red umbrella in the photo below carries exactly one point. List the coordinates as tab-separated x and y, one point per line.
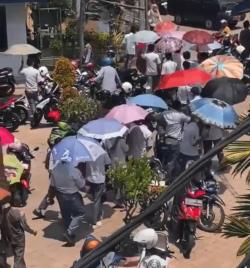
198	37
184	78
164	27
5	136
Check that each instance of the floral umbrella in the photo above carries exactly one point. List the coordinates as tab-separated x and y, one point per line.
169	45
164	27
223	66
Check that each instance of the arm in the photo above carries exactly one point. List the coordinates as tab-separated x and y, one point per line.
100	75
78	179
25	224
158	61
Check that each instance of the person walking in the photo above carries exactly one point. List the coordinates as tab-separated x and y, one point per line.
245	38
68	182
153	66
31	83
96	177
168	66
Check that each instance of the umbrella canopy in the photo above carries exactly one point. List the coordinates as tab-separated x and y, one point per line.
184	78
222	65
215	112
164	27
22	50
204	48
169	45
148	100
75	150
230	90
13	168
103	129
5	136
127	113
175	34
146	37
243	7
198	37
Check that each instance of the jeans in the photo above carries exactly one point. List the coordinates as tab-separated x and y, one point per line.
72	210
184	159
208	145
98	191
32	97
173	151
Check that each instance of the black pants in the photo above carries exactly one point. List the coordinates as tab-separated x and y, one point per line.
32	97
208	145
18	251
98	191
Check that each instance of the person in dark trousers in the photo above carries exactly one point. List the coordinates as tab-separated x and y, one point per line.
15	225
245	38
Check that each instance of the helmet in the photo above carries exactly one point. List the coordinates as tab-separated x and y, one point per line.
43	70
111	53
127	87
146	237
74	64
90	66
106	62
90	244
54	116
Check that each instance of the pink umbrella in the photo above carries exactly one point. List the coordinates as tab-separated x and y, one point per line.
174	34
169	45
127	113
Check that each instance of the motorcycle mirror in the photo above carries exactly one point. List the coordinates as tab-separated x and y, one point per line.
36	149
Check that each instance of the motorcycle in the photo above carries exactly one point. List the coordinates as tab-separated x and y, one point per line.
47	107
18	106
109	100
7	82
210	221
8	118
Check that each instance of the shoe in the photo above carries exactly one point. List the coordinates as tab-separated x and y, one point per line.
98	224
69	238
68	245
38	214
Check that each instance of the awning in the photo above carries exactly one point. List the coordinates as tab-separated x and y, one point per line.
243	7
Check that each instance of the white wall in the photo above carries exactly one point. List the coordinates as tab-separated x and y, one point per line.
16	33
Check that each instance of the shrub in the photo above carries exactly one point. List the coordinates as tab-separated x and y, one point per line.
64	74
69	93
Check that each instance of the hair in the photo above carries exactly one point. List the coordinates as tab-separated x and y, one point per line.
195	91
246	24
186	65
134	28
151	47
186	55
30	62
168	56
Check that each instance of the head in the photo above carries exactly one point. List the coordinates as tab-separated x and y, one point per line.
224	23
168	56
186	55
154	7
151	48
186	65
134	28
106	61
246	24
29	62
195	91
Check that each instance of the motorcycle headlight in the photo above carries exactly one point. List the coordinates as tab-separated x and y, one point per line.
154	264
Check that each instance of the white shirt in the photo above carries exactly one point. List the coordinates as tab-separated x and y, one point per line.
31	76
184	95
168	67
88	51
129	42
152	62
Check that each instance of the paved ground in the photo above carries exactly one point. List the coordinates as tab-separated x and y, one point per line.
46	250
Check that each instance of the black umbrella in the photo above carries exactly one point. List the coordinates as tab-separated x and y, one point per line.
230	90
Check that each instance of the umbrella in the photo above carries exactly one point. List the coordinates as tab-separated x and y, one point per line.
103	129
184	78
230	90
175	34
164	27
221	65
75	150
204	48
148	100
146	37
169	45
5	136
127	113
22	50
215	112
13	168
198	37
243	7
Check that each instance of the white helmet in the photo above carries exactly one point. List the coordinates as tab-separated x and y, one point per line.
43	70
127	87
146	237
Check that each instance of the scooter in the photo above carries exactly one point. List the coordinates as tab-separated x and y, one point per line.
7	82
8	117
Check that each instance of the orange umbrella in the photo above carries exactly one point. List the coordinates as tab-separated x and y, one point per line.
165	27
223	66
184	78
198	37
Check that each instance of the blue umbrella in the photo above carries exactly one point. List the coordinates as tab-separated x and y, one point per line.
243	7
75	150
215	112
103	129
148	100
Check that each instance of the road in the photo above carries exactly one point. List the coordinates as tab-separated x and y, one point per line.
45	250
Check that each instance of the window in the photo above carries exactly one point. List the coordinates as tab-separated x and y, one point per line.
3	29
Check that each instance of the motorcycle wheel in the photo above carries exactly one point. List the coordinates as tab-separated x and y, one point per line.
188	244
157	220
37	117
208	224
22	112
11	121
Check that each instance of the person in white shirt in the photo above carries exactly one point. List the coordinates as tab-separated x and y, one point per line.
87	53
31	83
169	66
153	66
154	16
129	43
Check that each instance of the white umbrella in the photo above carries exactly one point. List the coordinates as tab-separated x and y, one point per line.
22	50
146	37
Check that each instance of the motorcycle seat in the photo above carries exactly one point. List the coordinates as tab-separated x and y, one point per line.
5	71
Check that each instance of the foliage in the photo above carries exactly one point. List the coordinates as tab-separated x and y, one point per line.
56	45
79	110
134	180
69	93
64	74
71	31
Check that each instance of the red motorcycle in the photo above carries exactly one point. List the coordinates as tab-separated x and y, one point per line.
189	210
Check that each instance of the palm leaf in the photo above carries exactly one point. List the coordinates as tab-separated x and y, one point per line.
236	227
244	248
242	210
